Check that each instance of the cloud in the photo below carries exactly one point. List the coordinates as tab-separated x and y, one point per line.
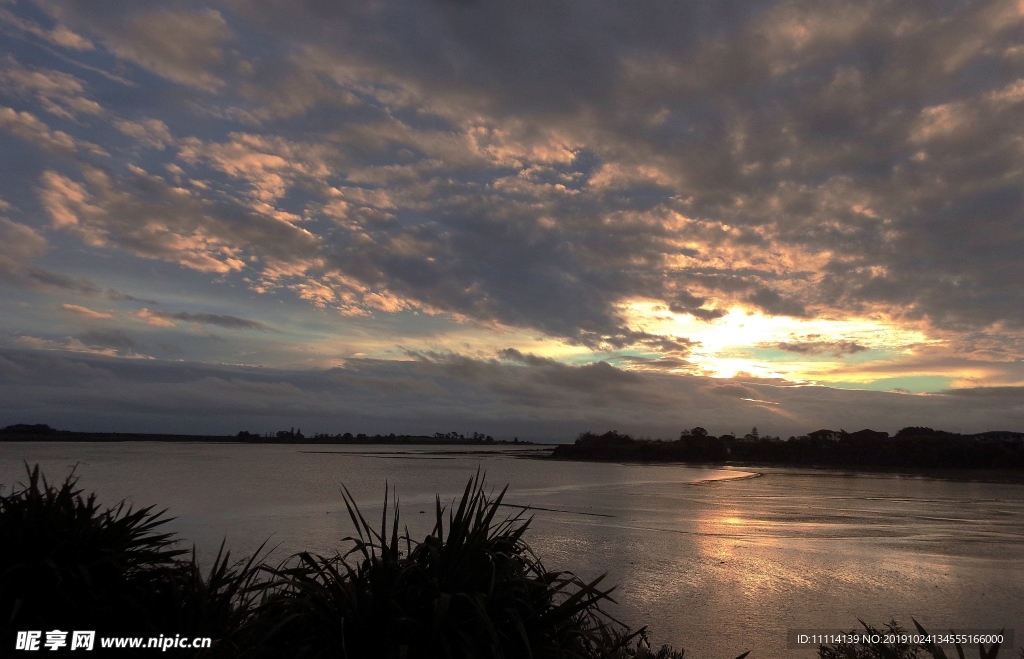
730	390
29	128
270	165
650	119
69	345
597	375
154	320
48	281
992	398
507	167
19	244
83	391
170	318
181	45
85	311
151	219
151	133
772	303
822	347
829	111
107	342
57	92
59	35
108	338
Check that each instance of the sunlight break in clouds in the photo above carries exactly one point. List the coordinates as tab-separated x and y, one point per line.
742	341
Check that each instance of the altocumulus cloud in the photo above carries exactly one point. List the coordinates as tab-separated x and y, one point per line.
512	168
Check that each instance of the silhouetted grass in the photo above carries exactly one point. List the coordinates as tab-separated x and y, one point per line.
65	560
471	588
220	604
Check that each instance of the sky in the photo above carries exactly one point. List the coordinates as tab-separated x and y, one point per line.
524	219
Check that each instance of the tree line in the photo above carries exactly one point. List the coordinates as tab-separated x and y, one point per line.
914	447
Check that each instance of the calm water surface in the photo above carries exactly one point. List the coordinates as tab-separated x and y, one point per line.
713	560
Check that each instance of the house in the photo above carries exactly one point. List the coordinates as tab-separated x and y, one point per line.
824	433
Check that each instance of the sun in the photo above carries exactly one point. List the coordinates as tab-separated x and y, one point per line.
747	341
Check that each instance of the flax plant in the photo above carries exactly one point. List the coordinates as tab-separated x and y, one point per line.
67	563
471	589
64	559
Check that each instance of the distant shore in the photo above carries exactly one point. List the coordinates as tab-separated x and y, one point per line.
50	435
941	457
914	452
1010	476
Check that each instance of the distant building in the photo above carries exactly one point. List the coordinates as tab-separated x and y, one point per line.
824	433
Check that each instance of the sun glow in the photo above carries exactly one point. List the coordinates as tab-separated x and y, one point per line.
796	349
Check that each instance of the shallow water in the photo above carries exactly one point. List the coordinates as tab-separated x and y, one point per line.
712	561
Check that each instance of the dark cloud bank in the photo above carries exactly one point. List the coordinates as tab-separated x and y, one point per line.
517	395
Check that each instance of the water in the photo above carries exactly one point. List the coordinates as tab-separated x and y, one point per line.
713	560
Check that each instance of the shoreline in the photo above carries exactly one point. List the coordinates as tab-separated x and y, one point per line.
744	477
537	451
116	437
1004	476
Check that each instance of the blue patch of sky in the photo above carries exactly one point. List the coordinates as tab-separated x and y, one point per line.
25	314
915	384
298	199
168	283
778	355
638	198
19	157
624	356
405	324
613	358
417	119
586	162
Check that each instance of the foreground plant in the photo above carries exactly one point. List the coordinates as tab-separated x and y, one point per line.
68	563
64	558
471	588
219	604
